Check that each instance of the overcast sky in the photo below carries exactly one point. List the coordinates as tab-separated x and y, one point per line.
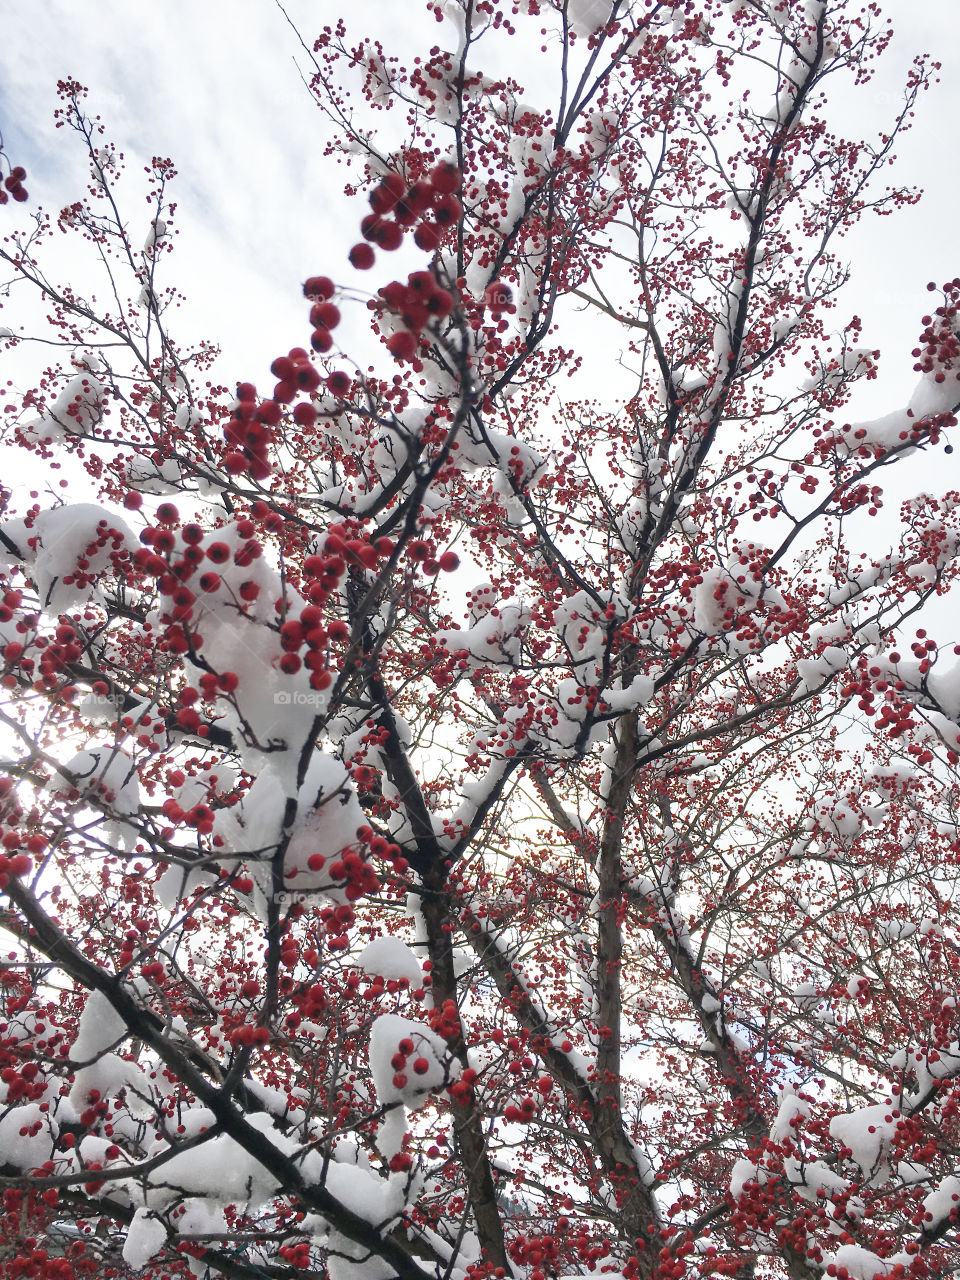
214	85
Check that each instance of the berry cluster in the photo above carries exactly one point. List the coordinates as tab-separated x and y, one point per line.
310	1001
523	1114
22	1082
382	848
541	1253
461	1091
939	353
430	205
199	816
415	304
19	864
174	572
399	1061
130	944
247	1036
297	1255
356	876
324	314
305	638
894	716
498	299
250	431
424	553
445	1021
13	185
336	921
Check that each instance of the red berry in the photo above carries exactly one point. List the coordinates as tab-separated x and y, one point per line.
416	200
447	211
384	197
269	413
402	346
324	315
370	226
308	379
305	415
440	303
393	294
414	314
235	463
318	287
362	256
389	236
427	236
445	178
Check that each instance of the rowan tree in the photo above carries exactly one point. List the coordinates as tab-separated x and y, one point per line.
456	824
